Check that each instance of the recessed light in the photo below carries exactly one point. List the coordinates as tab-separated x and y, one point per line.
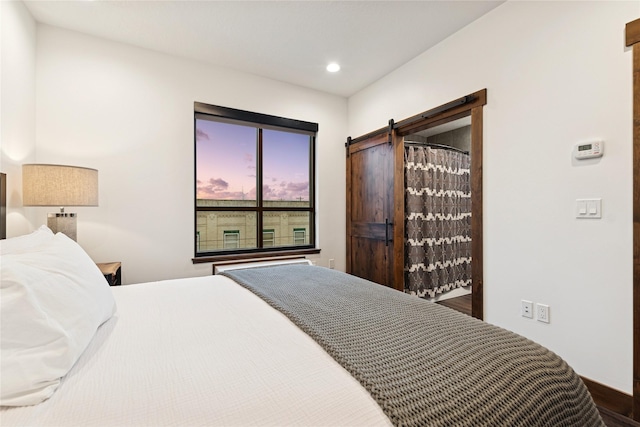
333	67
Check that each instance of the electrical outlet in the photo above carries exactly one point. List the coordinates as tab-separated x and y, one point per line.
543	313
332	263
526	309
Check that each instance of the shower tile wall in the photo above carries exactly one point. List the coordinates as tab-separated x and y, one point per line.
459	138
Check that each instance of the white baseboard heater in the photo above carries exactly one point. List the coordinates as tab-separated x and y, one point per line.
235	265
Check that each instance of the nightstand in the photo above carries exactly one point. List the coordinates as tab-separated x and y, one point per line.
111	271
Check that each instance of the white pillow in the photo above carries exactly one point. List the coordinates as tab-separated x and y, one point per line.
53	298
27	242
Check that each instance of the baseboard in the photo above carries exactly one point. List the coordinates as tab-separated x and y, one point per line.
612	399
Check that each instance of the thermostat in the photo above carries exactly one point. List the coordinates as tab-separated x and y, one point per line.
589	150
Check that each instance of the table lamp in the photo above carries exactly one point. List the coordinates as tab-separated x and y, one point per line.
59	185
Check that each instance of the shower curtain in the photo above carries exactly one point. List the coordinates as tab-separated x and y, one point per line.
437	221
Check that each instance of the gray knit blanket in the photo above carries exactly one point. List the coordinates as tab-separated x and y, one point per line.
424	364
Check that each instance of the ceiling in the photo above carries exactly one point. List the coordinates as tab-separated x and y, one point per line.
289	41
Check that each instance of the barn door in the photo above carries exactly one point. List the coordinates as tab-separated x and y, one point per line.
370	186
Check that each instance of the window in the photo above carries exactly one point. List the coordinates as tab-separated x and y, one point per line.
231	239
254	182
268	238
299	236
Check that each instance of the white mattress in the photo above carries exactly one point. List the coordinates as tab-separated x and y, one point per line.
201	351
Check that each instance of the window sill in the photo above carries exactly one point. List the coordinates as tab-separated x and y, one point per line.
255	255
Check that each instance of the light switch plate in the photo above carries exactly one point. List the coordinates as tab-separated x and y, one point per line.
526	309
589	208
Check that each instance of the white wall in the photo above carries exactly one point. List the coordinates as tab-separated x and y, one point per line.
18	106
556	73
128	112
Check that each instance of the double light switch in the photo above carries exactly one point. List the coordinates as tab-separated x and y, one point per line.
589	208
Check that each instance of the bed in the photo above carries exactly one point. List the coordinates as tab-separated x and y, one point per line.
279	345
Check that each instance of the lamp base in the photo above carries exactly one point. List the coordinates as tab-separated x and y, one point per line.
63	222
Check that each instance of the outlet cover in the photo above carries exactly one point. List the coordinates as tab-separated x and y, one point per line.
543	313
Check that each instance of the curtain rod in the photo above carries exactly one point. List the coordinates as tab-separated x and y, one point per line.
439	146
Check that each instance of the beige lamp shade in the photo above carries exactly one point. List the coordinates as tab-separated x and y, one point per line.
59	185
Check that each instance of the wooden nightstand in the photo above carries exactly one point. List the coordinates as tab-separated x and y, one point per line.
111	271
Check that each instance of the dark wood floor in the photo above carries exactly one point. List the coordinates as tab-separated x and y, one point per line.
461	304
610	418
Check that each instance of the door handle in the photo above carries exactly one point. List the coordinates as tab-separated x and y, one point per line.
386	231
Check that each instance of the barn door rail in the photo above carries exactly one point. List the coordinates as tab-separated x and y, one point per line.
467	99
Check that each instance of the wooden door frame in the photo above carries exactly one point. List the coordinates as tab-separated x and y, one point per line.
470	105
633	40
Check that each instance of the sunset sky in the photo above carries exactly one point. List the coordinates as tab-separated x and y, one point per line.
226	163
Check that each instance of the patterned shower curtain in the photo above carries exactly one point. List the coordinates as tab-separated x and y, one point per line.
438	220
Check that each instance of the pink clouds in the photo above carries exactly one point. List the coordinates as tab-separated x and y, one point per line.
286	191
298	187
219	184
217	189
201	135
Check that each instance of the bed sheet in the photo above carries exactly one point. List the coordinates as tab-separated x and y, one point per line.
201	351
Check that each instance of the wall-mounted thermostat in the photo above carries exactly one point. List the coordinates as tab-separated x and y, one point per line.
589	150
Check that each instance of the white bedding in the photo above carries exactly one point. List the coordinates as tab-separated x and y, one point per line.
201	351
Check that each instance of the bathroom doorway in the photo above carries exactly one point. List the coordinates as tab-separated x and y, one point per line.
438	212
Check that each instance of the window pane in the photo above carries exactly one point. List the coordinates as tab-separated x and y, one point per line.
218	231
225	164
285	168
290	228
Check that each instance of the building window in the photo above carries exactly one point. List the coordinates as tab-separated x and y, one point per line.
299	236
231	239
268	238
254	173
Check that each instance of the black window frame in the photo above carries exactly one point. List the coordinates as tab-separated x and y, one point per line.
259	121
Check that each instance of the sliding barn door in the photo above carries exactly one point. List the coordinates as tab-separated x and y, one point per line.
370	186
